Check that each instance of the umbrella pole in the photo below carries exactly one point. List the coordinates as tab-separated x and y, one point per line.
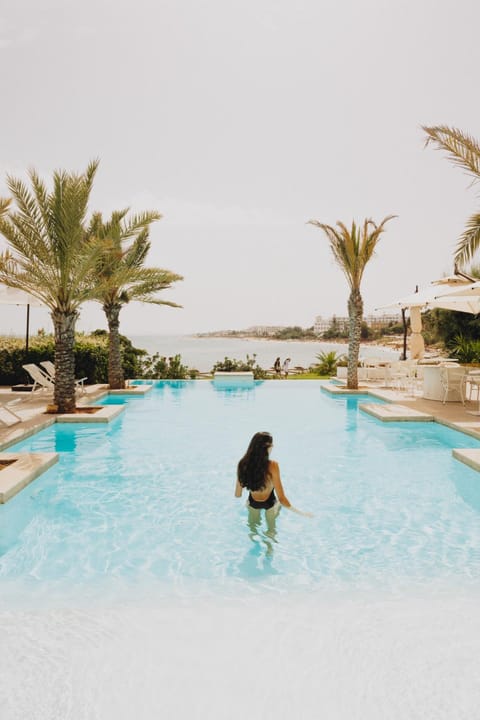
27	330
404	320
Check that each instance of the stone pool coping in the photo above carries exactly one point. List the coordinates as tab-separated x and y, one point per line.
24	468
105	414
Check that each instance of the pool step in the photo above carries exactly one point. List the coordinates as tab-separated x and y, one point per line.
97	414
389	412
469	456
343	390
132	390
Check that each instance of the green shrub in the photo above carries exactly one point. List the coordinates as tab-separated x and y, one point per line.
91	357
248	365
156	367
328	362
465	349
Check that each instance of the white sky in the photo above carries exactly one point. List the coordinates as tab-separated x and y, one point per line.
240	120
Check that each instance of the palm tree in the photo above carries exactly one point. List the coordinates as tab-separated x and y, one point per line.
352	249
51	257
122	276
464	151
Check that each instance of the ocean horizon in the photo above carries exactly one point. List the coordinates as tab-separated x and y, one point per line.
203	352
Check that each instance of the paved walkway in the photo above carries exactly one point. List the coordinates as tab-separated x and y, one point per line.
453	414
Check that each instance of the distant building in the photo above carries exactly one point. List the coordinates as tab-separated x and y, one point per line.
263	330
381	321
322	324
376	322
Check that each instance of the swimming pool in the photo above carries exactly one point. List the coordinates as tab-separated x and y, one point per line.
146	503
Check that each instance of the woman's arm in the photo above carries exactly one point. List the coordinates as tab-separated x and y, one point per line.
277	484
238	489
282	498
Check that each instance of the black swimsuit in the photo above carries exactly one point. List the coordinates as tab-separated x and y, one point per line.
263	504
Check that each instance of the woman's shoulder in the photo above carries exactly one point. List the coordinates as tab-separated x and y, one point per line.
273	466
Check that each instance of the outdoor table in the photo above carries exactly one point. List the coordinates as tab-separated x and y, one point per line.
432	383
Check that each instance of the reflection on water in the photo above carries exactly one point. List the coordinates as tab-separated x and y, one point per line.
258	559
234	387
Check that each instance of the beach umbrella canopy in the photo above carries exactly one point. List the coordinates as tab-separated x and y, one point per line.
12	296
440	293
463	299
431	293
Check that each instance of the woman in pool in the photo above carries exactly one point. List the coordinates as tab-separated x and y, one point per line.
261	476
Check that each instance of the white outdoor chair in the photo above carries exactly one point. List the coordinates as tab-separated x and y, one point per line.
39	377
453	381
372	367
417	380
50	369
397	375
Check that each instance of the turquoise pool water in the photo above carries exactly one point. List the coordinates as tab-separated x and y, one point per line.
147	501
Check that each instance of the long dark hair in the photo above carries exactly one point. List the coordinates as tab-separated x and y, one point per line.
252	469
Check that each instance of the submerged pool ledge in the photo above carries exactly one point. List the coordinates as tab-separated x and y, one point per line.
132	390
390	412
24	468
343	390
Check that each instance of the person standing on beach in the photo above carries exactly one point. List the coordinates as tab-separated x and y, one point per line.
285	367
277	367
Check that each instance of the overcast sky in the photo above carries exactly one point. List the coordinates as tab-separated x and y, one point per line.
239	120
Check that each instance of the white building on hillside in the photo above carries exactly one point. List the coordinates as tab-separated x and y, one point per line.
322	324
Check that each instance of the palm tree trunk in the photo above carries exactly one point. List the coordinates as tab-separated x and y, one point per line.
355	315
64	328
116	379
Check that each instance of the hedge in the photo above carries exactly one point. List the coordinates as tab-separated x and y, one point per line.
91	357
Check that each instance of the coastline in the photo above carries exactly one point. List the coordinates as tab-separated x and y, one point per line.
202	353
395	343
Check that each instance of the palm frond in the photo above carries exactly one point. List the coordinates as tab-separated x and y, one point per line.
353	248
120	270
47	238
461	148
139	222
4	205
469	241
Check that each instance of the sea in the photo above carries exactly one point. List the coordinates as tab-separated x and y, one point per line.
203	352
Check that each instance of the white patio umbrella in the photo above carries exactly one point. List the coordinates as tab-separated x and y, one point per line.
462	299
12	296
439	294
435	291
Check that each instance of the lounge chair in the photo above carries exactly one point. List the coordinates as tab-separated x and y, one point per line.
50	370
7	415
39	377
